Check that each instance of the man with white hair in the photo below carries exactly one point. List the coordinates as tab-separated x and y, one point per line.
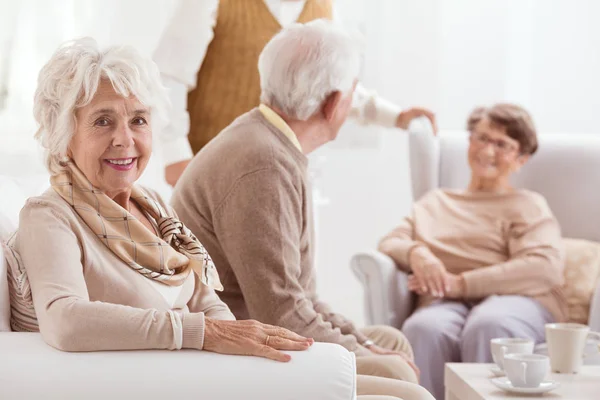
247	197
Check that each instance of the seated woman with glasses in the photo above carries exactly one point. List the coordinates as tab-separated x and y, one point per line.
485	261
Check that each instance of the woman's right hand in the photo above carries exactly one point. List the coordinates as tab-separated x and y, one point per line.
251	338
429	272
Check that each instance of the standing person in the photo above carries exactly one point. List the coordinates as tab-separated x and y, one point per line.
253	212
208	56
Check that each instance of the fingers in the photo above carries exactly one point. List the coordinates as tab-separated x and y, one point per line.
416	112
420	279
431	283
280	343
287	334
431	117
415	286
439	285
272	354
446	280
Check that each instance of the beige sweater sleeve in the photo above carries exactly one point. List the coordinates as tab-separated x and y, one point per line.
536	259
68	320
399	243
207	301
259	227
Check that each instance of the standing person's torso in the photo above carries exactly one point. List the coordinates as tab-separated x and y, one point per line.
249	145
228	82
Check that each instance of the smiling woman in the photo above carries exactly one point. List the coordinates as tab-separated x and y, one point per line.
110	266
112	141
485	261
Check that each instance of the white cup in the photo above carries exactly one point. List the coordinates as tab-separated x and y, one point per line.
503	346
526	370
566	342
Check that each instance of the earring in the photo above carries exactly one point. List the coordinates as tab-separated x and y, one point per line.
64	160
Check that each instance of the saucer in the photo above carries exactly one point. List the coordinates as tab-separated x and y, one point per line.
504	384
496	371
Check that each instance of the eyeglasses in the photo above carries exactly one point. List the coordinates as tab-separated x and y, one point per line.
501	146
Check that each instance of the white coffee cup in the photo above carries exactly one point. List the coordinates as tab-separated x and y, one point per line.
566	342
526	370
503	346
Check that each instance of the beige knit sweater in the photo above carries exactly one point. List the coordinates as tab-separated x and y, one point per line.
247	198
87	299
500	243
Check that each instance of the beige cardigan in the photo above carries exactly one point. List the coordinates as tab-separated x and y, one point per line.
87	299
505	244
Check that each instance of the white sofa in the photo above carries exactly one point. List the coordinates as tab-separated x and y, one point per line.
566	170
29	369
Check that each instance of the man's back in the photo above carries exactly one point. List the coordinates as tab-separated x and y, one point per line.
246	199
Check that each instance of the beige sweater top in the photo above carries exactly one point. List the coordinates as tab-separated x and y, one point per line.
500	243
87	299
247	198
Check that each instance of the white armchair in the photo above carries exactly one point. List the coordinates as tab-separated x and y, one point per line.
566	170
30	369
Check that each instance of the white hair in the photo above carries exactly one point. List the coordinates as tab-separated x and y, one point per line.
70	79
304	63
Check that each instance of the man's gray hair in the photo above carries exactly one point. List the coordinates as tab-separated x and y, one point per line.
70	80
304	63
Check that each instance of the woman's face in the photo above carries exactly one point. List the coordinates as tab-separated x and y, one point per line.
493	155
112	141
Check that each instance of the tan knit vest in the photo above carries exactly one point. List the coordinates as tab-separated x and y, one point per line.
228	84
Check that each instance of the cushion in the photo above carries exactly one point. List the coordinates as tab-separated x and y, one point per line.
11	202
582	268
22	318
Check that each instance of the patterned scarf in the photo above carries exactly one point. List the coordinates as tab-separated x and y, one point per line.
168	259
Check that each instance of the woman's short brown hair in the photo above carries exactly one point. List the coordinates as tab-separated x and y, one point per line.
513	118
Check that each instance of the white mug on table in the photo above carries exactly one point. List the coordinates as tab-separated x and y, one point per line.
566	342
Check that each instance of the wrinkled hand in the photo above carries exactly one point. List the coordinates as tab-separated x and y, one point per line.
404	118
454	290
252	338
381	351
429	273
173	171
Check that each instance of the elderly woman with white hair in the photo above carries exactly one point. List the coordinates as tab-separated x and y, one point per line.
109	264
254	213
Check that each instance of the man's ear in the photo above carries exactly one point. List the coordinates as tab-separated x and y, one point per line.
330	105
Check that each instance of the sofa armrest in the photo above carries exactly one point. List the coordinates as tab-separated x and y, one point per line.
30	369
387	298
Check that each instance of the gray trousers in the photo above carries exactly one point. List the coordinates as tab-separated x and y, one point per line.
451	331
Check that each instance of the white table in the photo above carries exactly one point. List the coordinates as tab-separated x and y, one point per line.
472	382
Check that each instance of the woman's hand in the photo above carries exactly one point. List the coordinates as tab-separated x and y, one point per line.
430	275
251	338
454	290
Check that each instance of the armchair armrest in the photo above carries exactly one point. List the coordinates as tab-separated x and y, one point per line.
30	369
387	298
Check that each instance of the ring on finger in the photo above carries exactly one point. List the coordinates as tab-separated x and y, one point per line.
267	340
